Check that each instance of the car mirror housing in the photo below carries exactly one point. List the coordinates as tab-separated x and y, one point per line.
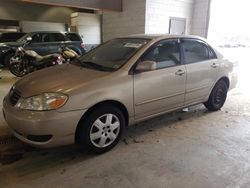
29	39
145	66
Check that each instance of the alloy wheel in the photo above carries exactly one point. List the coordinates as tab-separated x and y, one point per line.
105	130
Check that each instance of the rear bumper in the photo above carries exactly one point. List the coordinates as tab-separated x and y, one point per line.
42	129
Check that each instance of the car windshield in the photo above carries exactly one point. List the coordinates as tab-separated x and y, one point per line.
113	54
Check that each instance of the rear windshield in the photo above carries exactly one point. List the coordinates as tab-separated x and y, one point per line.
73	37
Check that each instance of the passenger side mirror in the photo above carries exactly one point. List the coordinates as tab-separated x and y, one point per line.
29	39
145	66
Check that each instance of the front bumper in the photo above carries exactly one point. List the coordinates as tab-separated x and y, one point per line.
42	129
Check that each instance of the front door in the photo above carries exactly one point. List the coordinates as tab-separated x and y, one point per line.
57	40
164	88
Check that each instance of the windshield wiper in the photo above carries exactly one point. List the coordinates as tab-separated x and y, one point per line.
97	66
76	61
89	64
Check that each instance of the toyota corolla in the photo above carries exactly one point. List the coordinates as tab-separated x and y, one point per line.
122	82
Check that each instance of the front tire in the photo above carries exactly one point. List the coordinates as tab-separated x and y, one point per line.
18	69
217	97
101	130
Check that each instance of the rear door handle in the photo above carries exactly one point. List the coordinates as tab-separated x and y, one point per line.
214	65
180	72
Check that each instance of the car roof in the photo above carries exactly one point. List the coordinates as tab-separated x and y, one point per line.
162	36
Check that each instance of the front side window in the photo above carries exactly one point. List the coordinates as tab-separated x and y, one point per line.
113	54
194	51
46	37
37	38
165	54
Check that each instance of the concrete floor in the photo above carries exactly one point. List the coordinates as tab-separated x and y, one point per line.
182	149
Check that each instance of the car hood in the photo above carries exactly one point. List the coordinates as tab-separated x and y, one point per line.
61	78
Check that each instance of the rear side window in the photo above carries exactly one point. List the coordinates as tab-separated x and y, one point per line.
73	37
47	37
195	51
165	54
56	37
212	54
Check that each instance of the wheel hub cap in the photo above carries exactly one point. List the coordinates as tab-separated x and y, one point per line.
105	130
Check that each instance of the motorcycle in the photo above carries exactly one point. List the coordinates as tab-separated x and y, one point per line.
68	54
27	61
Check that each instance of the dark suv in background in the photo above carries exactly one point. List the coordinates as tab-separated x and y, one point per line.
10	36
43	43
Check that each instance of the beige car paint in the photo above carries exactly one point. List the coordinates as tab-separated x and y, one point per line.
144	95
158	91
200	80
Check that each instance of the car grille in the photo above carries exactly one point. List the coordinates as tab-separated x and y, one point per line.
14	96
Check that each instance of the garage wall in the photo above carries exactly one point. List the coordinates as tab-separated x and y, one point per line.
158	13
88	26
130	21
201	18
41	26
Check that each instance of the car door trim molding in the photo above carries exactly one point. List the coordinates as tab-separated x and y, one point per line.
196	89
160	98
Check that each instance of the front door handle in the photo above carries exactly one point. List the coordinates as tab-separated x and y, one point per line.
214	65
180	72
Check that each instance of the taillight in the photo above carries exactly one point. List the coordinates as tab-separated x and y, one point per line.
59	60
82	45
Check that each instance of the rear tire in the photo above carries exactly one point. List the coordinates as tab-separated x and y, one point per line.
217	97
102	129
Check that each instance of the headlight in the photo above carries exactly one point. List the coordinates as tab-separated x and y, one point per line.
43	102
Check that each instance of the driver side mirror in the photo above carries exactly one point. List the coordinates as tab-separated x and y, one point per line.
29	39
145	66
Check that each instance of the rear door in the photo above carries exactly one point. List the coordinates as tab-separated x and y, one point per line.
74	42
56	40
202	69
164	88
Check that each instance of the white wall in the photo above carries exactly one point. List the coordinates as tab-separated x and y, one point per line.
201	17
130	21
28	26
88	26
158	13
